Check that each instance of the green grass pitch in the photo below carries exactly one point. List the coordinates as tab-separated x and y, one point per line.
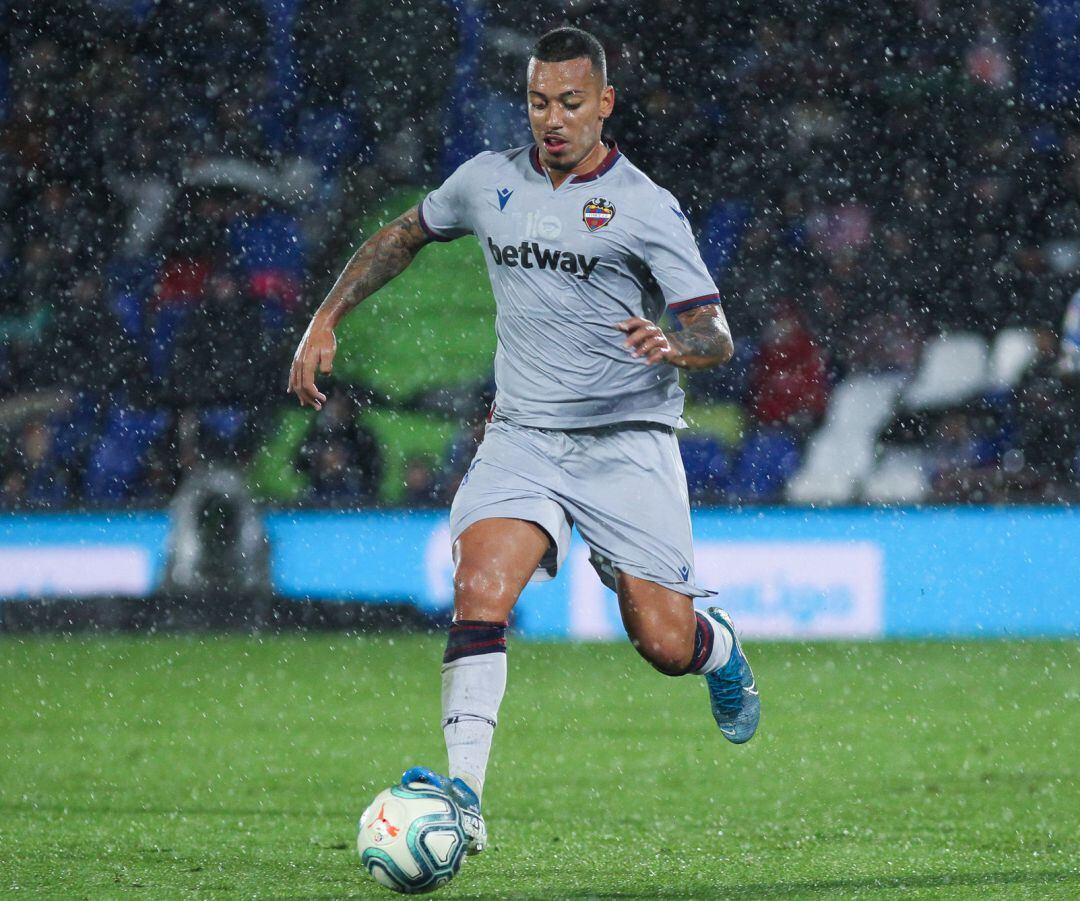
204	766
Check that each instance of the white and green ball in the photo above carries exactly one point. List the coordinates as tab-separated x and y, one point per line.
411	839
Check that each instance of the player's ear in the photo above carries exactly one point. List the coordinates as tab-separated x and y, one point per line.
607	101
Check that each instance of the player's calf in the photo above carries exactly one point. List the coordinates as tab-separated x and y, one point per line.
716	654
669	655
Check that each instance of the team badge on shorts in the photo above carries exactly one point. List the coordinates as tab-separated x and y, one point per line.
597	213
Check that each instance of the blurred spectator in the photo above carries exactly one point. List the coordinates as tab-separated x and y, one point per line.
224	374
420	482
459	457
91	348
1070	338
334	480
31	478
882	342
1042	458
341	457
223	356
207	51
788	382
954	450
894	170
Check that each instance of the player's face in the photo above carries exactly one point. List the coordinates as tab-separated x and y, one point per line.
568	104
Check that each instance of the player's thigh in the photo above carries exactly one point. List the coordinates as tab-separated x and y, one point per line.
659	621
493	561
626	492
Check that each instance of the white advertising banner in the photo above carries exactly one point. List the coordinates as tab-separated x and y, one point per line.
773	589
79	570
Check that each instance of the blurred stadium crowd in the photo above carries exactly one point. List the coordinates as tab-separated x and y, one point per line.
888	195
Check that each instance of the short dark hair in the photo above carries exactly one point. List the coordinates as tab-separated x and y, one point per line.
561	44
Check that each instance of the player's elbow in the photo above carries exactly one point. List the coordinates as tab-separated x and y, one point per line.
721	353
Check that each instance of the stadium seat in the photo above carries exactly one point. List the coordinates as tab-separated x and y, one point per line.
721	234
707	464
327	135
74	428
166	325
902	476
766	461
117	459
841	452
953	369
270	250
225	424
1014	351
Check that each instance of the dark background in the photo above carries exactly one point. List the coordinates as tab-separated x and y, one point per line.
862	177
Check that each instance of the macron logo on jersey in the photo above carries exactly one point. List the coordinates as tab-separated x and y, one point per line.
504	196
533	256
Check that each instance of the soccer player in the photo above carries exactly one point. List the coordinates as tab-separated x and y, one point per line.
584	254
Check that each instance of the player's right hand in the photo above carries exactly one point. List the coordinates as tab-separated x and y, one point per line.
315	351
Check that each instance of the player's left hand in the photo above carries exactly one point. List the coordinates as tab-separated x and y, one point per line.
645	339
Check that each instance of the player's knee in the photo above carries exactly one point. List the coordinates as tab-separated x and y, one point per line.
482	594
666	654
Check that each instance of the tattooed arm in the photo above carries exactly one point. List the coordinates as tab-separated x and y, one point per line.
703	341
385	254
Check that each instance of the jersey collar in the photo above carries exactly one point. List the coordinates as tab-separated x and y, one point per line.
605	164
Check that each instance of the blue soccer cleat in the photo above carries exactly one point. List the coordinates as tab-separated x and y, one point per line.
462	795
736	706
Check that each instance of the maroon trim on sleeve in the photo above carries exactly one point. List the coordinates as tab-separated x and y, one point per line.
428	230
683	305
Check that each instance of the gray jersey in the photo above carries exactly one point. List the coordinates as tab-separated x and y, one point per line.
566	264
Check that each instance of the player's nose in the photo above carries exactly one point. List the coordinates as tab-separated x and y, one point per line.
554	118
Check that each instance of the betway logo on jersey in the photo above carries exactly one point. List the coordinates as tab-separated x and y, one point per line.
532	256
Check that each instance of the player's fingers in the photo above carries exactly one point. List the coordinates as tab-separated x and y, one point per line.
310	394
640	336
640	331
633	322
297	374
659	354
651	346
326	361
294	378
307	380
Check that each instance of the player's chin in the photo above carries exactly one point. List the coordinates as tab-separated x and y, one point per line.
560	159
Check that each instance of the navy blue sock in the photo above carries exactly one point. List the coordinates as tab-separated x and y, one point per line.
703	643
468	638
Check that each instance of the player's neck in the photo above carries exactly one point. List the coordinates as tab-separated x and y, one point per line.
590	162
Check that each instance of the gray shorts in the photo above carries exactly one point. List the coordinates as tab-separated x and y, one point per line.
623	486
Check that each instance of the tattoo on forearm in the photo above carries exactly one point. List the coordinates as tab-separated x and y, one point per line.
385	254
704	340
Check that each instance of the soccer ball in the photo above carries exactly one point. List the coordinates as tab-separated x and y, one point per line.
411	838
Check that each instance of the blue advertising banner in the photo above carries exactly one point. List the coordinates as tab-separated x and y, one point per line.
784	573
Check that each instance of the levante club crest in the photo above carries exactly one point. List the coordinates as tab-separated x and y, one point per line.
597	213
